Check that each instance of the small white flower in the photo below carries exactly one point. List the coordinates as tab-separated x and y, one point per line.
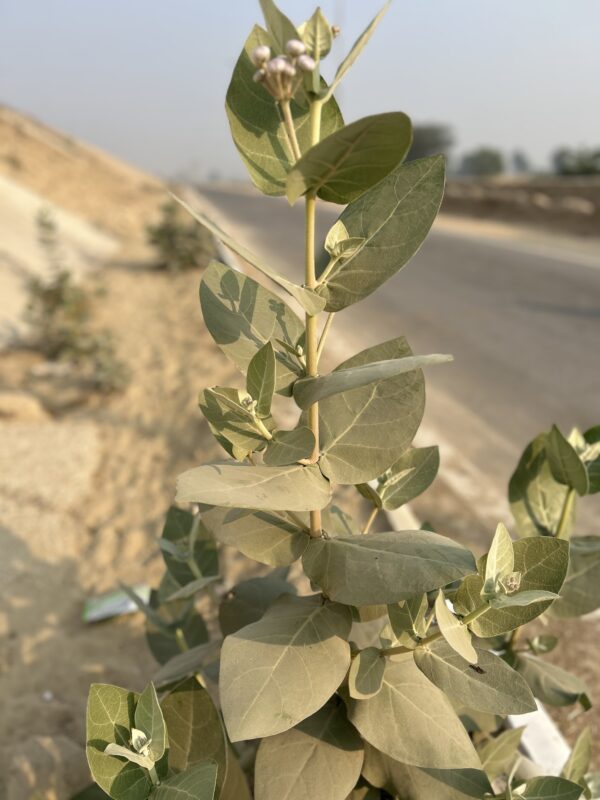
290	71
306	63
259	76
261	54
295	48
277	65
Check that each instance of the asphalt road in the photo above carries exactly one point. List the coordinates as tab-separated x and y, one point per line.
522	322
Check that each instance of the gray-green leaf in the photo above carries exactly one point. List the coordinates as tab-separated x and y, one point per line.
580	593
393	217
549	788
409	704
414	472
566	465
241	316
578	763
249	600
500	561
278	25
185	664
231	422
454	632
536	499
348	162
385	567
408	616
267	669
364	429
260	379
187	548
195	730
522	599
494	688
542	562
499	754
289	447
149	719
256	125
357	49
307	298
292	488
197	783
366	673
344	379
265	536
551	684
319	758
110	718
316	35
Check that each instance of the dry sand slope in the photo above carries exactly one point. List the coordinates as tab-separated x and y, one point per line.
82	497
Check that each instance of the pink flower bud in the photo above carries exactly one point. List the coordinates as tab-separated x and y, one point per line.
290	71
306	63
295	47
261	54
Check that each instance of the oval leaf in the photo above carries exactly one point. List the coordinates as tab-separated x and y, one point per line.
267	669
311	390
260	380
293	488
321	757
197	783
242	316
149	719
580	593
393	218
342	166
262	535
551	684
566	466
364	429
454	632
366	673
288	447
249	600
414	472
385	567
494	688
408	702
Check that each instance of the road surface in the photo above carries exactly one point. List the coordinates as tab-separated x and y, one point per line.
522	321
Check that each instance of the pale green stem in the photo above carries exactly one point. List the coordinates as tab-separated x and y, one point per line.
263	430
288	124
371	519
562	532
392	651
325	274
154	776
180	639
324	332
310	280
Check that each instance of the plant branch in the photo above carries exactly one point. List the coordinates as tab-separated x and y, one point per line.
562	532
312	359
324	332
371	519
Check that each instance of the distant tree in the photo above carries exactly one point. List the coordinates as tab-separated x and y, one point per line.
429	140
580	161
481	162
520	162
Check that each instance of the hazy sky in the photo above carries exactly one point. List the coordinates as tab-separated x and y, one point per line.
146	79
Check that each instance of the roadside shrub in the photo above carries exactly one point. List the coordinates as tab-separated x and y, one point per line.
394	674
180	244
58	315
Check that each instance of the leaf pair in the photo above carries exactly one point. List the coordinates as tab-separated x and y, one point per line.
414	472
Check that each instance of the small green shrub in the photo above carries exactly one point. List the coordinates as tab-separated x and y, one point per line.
394	675
179	243
58	315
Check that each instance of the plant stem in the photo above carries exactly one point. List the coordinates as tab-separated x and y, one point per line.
562	532
312	358
154	776
371	519
288	123
180	639
392	651
324	332
262	429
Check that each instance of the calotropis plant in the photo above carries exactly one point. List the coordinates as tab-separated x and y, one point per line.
394	673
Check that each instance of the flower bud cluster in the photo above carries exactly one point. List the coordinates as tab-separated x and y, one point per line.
281	75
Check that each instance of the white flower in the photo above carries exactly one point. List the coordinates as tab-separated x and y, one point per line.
261	54
259	75
277	65
306	63
295	47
